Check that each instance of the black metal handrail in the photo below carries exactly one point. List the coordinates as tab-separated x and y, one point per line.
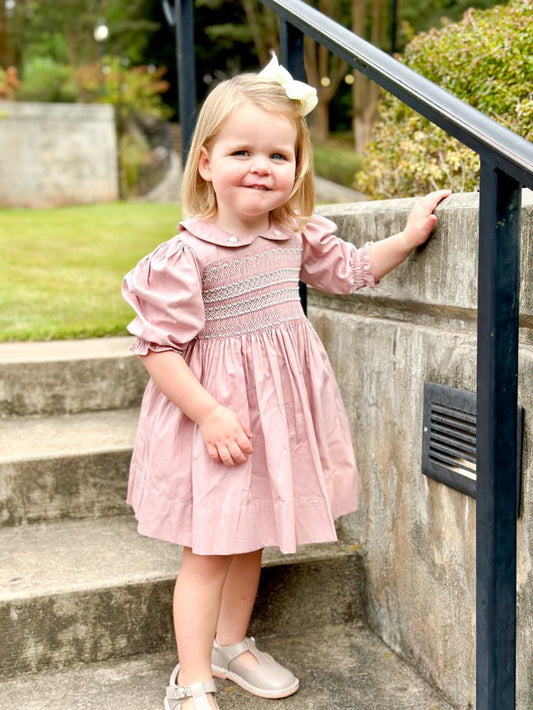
506	166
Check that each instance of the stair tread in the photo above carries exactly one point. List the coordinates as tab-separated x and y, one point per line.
78	555
31	438
358	672
69	376
53	350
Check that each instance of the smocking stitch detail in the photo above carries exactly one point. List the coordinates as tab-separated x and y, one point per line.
216	274
253	324
256	303
250	284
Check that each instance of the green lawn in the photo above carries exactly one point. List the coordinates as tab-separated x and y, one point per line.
61	269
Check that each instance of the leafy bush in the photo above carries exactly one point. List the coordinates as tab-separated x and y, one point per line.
9	83
485	60
45	79
138	88
336	164
139	109
133	153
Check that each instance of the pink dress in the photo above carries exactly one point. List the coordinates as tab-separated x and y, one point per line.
230	307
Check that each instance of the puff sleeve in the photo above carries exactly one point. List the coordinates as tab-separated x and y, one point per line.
164	290
331	264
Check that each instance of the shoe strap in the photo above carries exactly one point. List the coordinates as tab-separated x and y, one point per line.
181	692
235	649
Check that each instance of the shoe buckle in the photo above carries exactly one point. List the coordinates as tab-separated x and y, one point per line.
179	692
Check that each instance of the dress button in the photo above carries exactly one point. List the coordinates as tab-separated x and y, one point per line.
233	239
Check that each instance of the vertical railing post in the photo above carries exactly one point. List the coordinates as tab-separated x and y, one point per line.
181	16
291	52
184	10
497	395
291	49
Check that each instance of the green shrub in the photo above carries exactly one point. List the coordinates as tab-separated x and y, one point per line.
486	60
137	88
336	164
134	152
9	83
44	79
136	94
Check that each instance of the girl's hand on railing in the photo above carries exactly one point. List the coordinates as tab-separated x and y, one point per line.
227	437
421	220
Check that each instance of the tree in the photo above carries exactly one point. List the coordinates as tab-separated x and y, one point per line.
484	60
247	23
234	36
325	72
258	25
47	41
263	25
63	30
371	21
421	15
4	56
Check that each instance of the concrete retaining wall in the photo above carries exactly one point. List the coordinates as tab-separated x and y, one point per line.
419	535
57	154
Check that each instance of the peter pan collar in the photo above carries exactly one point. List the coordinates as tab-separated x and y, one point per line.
209	232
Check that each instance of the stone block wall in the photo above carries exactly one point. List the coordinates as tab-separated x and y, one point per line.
57	154
417	534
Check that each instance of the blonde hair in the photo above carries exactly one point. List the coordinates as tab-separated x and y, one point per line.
198	196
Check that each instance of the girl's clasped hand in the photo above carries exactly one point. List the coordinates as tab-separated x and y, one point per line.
228	439
243	441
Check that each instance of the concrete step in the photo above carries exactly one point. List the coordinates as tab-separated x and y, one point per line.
340	667
93	590
67	466
85	602
69	376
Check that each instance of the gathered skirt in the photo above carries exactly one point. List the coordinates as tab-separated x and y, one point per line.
301	475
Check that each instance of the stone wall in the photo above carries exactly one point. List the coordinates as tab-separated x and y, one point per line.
57	154
418	536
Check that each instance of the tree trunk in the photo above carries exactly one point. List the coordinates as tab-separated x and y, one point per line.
320	122
261	39
365	91
322	65
4	58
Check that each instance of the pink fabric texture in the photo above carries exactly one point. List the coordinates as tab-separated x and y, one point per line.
230	307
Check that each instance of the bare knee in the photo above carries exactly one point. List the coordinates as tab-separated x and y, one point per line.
212	568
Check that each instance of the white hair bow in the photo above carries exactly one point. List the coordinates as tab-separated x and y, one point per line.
296	90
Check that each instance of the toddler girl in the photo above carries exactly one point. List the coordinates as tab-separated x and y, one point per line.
243	441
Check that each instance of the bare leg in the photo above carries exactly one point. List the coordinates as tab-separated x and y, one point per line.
238	596
197	601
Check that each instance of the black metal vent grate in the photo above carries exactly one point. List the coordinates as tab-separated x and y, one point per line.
449	437
452	439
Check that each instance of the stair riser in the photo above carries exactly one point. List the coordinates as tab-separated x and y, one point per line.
59	631
68	387
70	487
109	623
310	593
